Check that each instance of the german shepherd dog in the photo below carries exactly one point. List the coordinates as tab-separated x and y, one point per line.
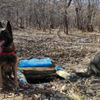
93	68
8	59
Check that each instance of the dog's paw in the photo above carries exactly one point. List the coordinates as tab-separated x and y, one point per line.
0	89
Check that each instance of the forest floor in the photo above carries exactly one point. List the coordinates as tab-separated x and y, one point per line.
70	51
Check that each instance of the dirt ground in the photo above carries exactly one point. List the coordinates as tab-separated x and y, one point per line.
71	51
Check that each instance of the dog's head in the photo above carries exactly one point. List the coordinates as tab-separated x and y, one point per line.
6	34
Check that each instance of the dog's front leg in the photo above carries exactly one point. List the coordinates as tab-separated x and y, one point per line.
15	75
1	78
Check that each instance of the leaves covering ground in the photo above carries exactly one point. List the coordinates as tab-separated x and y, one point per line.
69	51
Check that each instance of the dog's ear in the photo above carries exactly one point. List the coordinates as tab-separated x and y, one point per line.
1	25
9	28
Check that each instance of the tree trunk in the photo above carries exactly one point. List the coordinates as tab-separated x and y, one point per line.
21	22
89	24
17	17
66	22
78	20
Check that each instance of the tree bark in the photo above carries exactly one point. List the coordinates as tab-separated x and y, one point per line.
66	16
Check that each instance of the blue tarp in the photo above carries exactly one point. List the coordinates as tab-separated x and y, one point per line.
43	62
59	68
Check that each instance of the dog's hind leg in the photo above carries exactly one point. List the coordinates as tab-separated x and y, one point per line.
1	82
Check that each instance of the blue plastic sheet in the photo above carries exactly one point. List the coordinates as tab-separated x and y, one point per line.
43	62
59	68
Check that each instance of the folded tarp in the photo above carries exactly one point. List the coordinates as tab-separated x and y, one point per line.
42	62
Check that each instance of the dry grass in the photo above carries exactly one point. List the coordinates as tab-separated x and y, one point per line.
66	51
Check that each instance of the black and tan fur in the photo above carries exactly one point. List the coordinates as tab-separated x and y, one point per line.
8	68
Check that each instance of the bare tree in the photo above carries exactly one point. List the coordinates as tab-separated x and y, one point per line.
66	6
79	13
91	13
50	14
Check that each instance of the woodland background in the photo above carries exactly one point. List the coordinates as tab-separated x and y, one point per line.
51	14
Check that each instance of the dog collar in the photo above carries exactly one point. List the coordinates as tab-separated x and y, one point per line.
98	55
7	53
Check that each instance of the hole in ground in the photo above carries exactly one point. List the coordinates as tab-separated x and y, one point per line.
42	80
